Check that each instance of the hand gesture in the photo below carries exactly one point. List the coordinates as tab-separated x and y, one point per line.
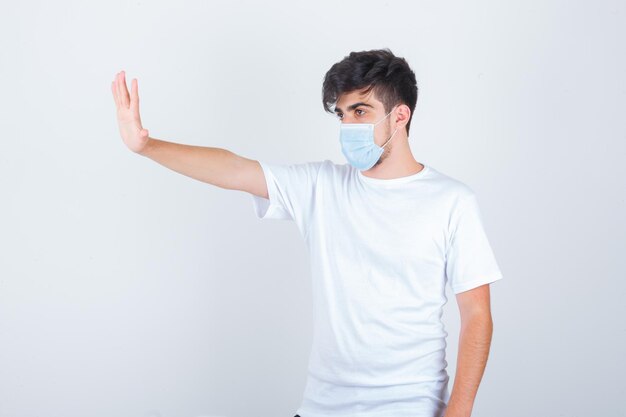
133	134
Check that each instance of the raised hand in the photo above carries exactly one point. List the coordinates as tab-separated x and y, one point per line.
133	134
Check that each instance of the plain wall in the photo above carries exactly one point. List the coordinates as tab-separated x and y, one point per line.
127	289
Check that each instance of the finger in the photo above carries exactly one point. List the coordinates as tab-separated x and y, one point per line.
134	96
125	97
135	100
118	86
133	91
117	92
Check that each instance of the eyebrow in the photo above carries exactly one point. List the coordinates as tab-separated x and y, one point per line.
354	106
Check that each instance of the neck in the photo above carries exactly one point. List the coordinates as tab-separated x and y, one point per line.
398	161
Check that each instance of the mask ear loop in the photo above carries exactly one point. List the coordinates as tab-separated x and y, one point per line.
394	107
394	132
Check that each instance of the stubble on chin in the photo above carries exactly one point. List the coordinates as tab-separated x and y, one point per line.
384	155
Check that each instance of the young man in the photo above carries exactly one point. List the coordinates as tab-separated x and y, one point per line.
385	234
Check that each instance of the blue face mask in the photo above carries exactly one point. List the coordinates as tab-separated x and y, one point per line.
357	143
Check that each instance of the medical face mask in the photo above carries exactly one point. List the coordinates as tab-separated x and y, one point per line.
357	143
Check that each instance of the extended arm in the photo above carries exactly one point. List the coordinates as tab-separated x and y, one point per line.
474	344
216	166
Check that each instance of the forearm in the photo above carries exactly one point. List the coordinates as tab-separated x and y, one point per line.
474	344
214	166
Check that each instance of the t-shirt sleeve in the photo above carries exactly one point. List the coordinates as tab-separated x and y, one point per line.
291	192
470	261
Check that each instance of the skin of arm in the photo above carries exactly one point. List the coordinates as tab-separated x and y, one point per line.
216	166
474	345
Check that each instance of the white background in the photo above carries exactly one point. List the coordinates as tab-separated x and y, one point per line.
127	289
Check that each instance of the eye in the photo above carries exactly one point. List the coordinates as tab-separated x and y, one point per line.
340	115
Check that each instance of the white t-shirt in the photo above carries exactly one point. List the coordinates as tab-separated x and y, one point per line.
381	253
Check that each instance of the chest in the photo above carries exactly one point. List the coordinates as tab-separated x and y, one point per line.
401	227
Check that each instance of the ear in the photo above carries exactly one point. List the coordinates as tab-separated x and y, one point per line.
403	115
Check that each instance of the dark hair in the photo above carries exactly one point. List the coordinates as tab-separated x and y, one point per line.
389	76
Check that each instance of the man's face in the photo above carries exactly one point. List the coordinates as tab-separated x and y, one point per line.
354	107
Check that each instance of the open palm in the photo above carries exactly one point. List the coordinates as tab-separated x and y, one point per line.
128	119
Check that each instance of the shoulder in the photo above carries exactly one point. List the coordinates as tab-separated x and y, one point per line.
309	167
331	168
450	186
